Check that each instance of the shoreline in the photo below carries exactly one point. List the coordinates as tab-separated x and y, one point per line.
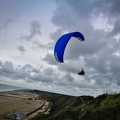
17	102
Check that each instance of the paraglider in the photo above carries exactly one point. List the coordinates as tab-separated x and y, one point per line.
81	72
62	43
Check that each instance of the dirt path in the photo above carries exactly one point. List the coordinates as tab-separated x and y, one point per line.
82	100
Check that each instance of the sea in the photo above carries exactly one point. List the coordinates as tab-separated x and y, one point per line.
6	87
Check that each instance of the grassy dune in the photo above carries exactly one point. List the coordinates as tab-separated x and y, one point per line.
60	107
103	107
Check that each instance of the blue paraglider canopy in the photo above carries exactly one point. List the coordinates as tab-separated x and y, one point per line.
62	42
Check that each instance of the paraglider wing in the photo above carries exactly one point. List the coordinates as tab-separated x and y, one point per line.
62	42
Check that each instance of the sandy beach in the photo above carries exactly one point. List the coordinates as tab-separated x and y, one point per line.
24	102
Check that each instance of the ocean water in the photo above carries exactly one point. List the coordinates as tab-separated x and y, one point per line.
5	87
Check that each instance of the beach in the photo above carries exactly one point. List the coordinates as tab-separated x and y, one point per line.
19	103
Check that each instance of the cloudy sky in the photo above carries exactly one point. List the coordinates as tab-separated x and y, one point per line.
29	30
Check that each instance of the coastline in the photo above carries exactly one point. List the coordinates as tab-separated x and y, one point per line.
6	87
20	103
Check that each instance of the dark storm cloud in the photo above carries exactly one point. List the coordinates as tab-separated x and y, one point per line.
34	30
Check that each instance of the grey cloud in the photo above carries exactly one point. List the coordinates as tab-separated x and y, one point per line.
41	78
62	18
99	45
1	63
80	7
21	74
50	76
35	70
8	67
50	59
49	71
91	45
109	7
27	67
69	16
116	29
79	13
37	44
21	48
50	45
35	30
100	61
7	70
70	66
26	72
56	34
7	23
68	77
115	64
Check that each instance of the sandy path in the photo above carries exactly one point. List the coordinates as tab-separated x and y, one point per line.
44	110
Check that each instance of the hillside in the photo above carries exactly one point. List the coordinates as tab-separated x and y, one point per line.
103	107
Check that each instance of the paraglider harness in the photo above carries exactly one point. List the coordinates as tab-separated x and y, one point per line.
82	72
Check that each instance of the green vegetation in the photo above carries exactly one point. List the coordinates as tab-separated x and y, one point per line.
103	107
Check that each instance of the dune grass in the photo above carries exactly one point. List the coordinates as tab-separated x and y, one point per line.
103	107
